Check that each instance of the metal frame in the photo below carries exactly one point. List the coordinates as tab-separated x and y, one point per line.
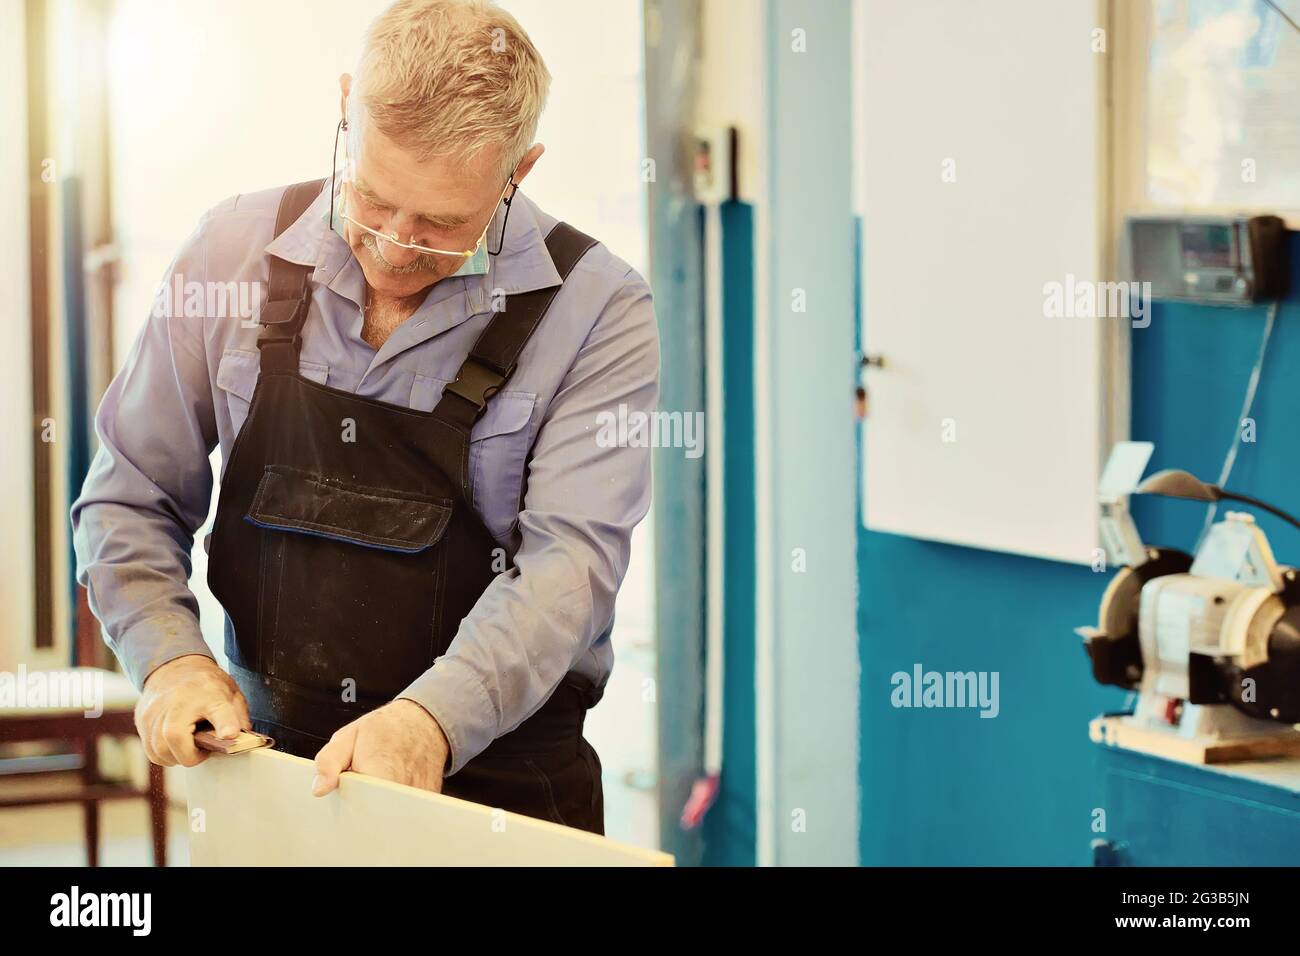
39	238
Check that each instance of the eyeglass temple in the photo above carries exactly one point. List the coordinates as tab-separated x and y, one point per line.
334	166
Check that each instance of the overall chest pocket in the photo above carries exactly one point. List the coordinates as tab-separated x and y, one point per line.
498	454
350	582
237	380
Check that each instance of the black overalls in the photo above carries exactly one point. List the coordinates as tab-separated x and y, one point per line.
346	550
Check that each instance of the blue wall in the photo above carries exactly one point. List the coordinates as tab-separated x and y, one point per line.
731	826
946	787
676	270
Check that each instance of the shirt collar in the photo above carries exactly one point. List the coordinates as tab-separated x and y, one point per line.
524	264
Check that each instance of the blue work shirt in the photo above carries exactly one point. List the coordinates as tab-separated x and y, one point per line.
186	388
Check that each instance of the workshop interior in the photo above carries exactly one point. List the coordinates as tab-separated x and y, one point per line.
973	539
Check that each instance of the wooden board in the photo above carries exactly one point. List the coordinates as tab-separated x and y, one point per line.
1122	732
256	809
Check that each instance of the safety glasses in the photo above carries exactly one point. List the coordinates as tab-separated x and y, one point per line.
413	246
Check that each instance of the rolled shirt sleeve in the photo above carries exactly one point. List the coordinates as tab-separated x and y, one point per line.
149	488
584	496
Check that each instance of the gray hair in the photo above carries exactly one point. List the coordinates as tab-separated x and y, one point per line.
449	78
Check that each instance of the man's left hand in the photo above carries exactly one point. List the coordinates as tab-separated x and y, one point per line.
400	741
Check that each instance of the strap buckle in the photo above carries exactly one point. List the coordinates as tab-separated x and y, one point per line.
280	316
476	383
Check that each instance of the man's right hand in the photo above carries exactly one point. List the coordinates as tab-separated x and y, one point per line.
176	697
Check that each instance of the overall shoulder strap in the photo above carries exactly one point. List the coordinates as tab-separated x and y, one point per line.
491	361
288	290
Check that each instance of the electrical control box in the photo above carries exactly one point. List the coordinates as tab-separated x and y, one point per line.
1225	260
714	178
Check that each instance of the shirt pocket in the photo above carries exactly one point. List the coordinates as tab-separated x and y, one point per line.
498	453
237	380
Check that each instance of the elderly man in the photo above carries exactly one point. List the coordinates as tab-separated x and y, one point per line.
419	536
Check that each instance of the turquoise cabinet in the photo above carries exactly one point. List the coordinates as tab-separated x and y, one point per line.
1162	813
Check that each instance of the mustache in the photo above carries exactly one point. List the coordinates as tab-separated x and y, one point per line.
421	263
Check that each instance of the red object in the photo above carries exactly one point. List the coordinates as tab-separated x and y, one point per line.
703	794
1173	711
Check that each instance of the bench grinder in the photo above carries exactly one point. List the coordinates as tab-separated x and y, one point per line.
1211	641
